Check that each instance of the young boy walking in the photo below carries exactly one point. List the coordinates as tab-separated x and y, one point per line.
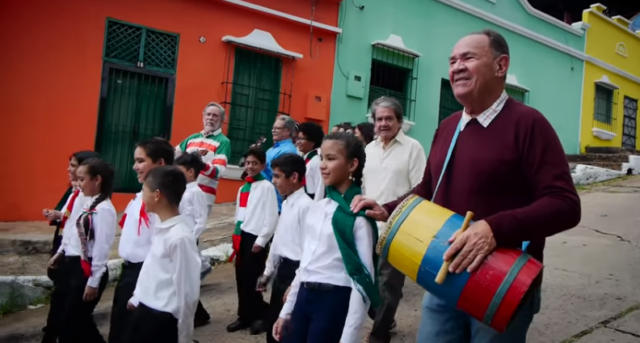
286	250
165	298
137	229
256	218
195	209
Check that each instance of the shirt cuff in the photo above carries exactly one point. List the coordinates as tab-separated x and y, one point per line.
261	241
134	301
286	310
94	282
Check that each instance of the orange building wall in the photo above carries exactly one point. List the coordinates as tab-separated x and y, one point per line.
52	68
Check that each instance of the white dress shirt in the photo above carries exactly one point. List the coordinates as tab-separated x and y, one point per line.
394	170
194	208
322	262
260	216
135	240
104	230
70	243
170	277
312	177
288	239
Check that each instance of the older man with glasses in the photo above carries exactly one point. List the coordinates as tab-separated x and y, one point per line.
283	130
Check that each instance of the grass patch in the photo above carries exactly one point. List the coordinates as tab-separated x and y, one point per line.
589	187
602	324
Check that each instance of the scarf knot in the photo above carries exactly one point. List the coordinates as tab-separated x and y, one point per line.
343	221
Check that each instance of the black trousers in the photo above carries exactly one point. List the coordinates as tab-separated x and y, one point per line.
202	316
391	284
285	274
52	329
249	267
75	316
123	292
147	325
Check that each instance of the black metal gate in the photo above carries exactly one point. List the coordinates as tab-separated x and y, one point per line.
630	123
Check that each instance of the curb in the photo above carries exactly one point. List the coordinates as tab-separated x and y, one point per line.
22	292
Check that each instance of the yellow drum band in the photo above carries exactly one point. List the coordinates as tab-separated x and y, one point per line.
420	221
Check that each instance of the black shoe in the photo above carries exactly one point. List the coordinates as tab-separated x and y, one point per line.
257	327
237	326
202	322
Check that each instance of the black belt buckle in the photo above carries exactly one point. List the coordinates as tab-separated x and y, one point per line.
318	286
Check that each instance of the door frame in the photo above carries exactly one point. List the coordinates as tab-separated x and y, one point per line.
104	86
624	116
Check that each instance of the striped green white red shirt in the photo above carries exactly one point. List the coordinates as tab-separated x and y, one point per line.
215	149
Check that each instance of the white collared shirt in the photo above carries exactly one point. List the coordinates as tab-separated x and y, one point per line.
70	243
104	229
135	240
288	239
170	277
322	262
392	171
313	178
260	216
194	208
485	118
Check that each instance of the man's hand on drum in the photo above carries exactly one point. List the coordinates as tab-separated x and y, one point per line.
470	248
374	210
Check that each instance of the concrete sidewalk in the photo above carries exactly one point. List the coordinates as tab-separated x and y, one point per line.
589	292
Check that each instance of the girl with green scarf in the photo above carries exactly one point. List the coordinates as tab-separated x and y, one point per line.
336	281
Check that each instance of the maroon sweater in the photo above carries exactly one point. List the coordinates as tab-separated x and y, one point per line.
513	174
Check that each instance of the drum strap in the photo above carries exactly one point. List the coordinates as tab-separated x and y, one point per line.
452	145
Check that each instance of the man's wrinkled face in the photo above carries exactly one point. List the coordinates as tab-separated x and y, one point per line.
211	118
473	67
386	124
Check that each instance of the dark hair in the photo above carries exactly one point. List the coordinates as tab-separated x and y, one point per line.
354	149
346	126
157	149
258	153
191	161
367	131
497	43
80	156
289	164
313	132
169	180
97	167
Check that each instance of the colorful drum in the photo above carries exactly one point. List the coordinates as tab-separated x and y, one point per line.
416	239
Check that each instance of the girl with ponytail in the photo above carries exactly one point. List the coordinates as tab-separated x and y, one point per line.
336	281
82	265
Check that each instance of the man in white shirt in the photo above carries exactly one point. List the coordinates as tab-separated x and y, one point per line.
395	165
166	295
286	249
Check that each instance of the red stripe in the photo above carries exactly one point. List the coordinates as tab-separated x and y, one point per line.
202	145
220	162
244	199
208	189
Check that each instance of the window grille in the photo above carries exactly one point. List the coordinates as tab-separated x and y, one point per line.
257	88
518	94
630	123
394	74
448	102
604	114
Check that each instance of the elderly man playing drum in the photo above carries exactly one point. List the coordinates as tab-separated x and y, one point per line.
508	167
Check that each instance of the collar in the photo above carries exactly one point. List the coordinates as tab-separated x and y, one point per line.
307	154
400	138
485	118
192	185
295	195
171	222
283	142
214	133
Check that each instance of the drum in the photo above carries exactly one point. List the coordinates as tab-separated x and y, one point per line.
414	243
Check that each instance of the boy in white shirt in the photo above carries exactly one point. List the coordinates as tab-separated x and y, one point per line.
194	207
286	250
137	229
165	298
256	218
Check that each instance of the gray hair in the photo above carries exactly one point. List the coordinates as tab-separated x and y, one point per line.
219	107
289	124
389	103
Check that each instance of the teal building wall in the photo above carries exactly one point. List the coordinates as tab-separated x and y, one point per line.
544	56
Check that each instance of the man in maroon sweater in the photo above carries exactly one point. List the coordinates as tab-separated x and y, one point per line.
508	167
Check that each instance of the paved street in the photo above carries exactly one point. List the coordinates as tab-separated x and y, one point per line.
590	291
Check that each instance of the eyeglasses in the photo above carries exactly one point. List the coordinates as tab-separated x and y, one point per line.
277	128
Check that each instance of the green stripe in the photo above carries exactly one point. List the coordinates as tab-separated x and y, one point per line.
504	287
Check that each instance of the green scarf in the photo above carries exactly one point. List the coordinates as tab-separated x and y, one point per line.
342	222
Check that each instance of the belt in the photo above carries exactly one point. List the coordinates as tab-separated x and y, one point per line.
319	286
132	264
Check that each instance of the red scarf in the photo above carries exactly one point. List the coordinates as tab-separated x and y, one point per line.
142	217
67	211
